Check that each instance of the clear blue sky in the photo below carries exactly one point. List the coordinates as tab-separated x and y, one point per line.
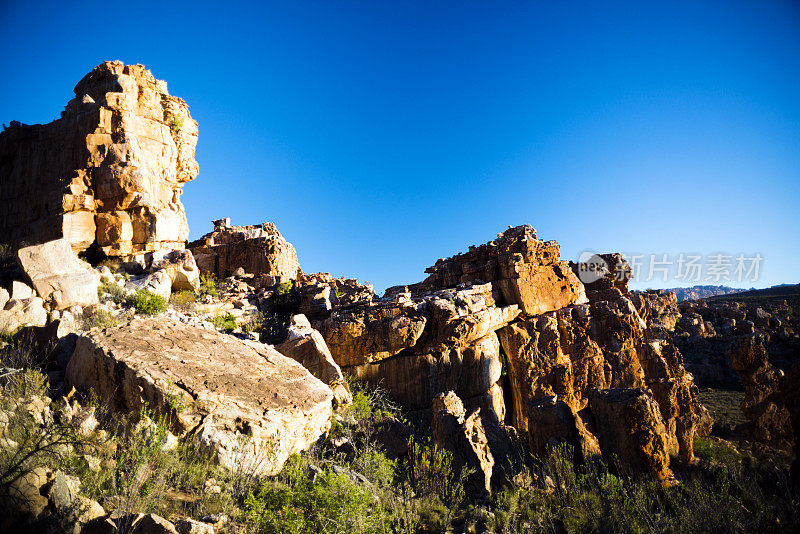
380	136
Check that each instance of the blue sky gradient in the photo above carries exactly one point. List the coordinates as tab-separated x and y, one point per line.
380	136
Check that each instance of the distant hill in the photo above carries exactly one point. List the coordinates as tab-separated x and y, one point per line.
771	295
703	292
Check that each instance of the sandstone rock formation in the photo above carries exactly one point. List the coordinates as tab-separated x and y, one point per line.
418	346
110	171
59	277
523	270
513	304
631	432
257	249
464	436
555	422
249	404
307	346
763	405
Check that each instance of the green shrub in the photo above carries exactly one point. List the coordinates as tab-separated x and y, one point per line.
208	285
175	123
225	322
111	291
183	300
100	319
368	402
291	503
144	301
281	305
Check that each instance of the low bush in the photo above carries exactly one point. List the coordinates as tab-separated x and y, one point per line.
144	301
208	285
111	291
331	502
225	322
101	319
183	300
175	123
730	497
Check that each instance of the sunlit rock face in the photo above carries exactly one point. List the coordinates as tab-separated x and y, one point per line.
258	249
510	329
109	171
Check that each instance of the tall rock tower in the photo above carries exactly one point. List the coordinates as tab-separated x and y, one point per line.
110	171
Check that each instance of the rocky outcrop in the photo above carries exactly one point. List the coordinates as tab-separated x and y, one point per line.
250	405
109	172
602	345
709	330
307	346
631	432
58	276
763	405
259	249
514	305
523	270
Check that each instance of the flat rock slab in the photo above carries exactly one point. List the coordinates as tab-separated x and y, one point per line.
252	406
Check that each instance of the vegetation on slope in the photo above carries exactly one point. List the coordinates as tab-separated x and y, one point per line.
347	483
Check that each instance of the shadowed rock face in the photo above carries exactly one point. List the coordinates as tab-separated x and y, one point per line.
252	406
109	171
764	403
631	432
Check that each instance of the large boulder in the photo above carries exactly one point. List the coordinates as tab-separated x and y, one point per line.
181	268
19	313
631	432
58	276
307	346
110	171
252	406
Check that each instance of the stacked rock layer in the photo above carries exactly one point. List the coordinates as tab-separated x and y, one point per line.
110	171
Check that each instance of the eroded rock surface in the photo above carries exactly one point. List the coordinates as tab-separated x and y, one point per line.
59	277
109	171
464	436
523	270
258	249
631	432
763	405
514	305
252	406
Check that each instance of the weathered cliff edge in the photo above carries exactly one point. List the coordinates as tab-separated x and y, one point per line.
110	171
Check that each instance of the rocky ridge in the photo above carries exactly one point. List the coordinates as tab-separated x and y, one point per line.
501	341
